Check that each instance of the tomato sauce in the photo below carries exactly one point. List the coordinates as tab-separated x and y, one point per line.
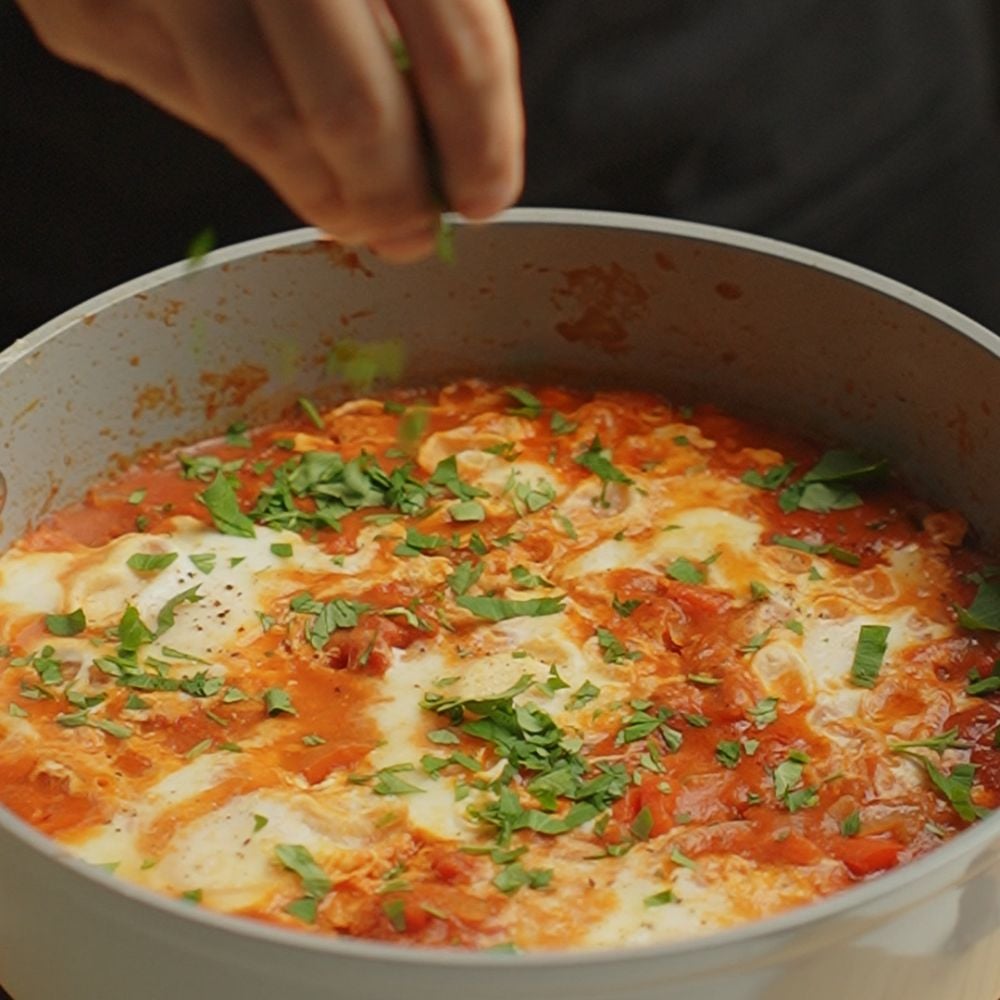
726	769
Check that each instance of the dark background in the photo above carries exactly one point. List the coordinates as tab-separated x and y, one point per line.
857	128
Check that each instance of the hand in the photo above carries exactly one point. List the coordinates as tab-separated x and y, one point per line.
307	92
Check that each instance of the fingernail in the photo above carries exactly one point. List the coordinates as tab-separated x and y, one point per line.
486	203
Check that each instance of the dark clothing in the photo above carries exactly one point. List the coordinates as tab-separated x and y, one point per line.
865	128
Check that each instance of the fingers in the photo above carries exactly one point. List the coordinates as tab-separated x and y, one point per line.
249	106
308	93
139	53
357	110
464	58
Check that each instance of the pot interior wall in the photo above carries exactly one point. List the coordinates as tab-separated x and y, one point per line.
186	354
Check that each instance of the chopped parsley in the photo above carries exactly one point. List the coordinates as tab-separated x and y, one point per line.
529	405
685	571
771	479
585	693
660	898
850	825
150	562
224	508
612	649
943	741
818	549
464	576
624	608
727	753
514	876
388	782
984	611
66	625
562	425
236	434
978	686
954	785
395	913
446	475
597	459
202	244
277	702
203	561
467	511
566	524
497	609
827	486
869	654
417	543
327	616
315	882
523	577
309	409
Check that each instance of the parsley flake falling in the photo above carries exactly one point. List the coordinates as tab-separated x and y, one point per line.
201	244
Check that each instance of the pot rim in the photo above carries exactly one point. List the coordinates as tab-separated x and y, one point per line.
967	844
